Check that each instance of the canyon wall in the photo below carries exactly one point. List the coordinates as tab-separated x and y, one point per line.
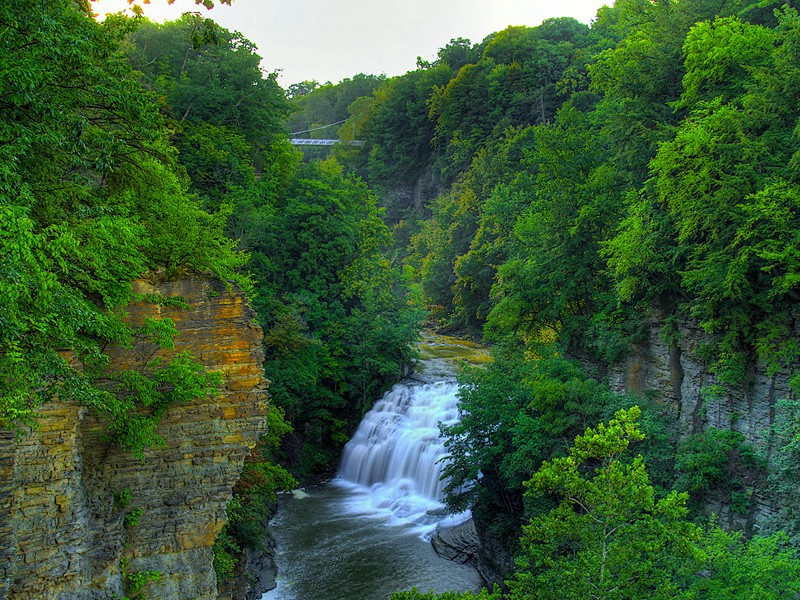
674	373
63	487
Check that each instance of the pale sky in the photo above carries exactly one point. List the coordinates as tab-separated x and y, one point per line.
329	40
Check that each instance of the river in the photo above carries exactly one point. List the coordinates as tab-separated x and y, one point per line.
366	533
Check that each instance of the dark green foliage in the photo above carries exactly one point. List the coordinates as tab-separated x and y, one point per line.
337	327
228	115
611	535
338	324
716	462
395	127
784	478
517	413
254	498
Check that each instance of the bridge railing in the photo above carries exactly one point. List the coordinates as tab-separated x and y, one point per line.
323	142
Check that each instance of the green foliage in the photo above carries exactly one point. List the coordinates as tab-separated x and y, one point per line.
338	328
609	536
225	553
91	199
553	281
137	582
254	498
337	325
139	400
720	461
122	498
784	478
319	105
132	517
517	413
763	567
414	594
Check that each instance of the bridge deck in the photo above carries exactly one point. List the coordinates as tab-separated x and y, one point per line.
322	142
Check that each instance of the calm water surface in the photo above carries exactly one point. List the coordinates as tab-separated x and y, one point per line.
327	550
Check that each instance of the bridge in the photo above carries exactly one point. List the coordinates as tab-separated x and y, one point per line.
320	141
323	142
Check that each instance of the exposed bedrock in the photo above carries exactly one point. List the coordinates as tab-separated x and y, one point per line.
62	530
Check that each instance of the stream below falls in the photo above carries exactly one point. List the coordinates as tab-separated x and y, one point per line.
366	533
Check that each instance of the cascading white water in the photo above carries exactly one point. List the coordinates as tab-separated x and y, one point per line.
359	536
396	453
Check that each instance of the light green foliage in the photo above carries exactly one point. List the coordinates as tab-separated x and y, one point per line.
723	205
91	199
139	400
225	553
609	536
613	536
761	568
414	594
137	583
319	105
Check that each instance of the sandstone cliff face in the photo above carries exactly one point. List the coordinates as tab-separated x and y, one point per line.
62	535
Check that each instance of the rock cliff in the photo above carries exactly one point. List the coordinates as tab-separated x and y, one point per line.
674	373
62	522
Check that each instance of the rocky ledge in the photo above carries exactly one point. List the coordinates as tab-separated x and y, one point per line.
63	530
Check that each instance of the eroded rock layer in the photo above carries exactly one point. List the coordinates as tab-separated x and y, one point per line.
62	529
674	373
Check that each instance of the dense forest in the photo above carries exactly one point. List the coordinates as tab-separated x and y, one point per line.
132	148
558	191
561	190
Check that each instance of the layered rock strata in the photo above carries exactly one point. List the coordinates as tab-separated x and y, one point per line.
63	533
671	370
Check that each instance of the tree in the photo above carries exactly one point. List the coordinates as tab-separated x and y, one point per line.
609	536
90	199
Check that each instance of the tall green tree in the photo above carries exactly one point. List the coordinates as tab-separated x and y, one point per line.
609	536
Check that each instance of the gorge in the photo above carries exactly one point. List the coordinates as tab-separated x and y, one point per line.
612	207
367	532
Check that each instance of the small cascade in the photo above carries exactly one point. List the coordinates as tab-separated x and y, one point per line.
394	458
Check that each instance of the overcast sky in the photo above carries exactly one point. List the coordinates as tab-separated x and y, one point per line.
329	40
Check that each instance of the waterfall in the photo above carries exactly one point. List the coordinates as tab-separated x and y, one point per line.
394	458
